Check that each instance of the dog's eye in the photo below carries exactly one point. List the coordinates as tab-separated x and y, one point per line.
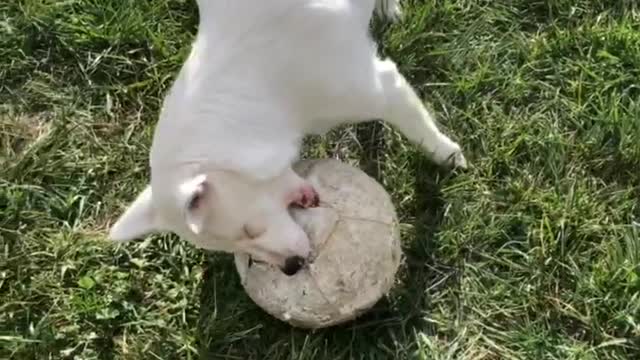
252	232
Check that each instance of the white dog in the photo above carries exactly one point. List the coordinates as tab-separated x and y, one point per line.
261	75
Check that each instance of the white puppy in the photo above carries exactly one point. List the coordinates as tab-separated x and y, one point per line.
260	76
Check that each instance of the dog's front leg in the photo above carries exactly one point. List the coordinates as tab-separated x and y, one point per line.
404	109
383	93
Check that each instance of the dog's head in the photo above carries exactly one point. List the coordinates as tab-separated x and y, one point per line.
221	211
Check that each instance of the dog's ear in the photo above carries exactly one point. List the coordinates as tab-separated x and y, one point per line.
139	219
198	194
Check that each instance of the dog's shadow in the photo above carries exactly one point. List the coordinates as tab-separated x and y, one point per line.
232	326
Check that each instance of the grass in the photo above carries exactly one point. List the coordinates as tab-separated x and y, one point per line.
533	253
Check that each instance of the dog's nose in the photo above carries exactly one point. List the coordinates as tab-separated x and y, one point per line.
292	265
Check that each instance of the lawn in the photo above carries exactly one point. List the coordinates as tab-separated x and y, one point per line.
532	253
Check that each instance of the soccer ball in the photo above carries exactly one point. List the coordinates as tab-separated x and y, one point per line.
356	251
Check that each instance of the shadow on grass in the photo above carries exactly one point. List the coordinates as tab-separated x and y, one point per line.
233	327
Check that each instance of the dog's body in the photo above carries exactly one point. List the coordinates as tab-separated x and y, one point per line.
261	75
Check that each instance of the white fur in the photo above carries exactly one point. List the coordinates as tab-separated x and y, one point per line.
261	75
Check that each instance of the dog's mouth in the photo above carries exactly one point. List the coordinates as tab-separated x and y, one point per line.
291	267
252	261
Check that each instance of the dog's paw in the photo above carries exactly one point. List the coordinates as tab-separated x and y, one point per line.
457	161
450	155
305	197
